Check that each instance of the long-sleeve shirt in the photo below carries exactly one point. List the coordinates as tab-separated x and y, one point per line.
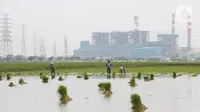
108	65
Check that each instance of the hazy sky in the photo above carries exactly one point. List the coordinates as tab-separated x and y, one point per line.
76	19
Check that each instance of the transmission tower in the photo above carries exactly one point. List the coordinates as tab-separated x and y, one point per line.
23	52
42	47
5	45
65	46
54	49
35	45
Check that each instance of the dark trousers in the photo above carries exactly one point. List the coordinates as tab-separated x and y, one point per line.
122	71
108	70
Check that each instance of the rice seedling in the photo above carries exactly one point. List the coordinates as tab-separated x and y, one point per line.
146	78
195	75
41	75
152	76
45	79
79	76
113	75
139	76
174	74
132	82
21	82
107	87
86	76
62	91
8	76
11	84
60	78
137	105
101	86
0	77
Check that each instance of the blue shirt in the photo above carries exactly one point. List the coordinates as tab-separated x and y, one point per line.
108	65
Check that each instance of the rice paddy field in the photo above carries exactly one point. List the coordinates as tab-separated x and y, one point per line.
156	88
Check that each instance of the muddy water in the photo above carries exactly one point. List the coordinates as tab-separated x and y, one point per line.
164	94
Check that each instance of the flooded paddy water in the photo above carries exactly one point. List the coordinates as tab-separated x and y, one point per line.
163	94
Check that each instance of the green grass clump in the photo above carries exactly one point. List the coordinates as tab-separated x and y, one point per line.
139	76
174	74
113	75
11	84
0	77
8	76
21	82
45	79
60	78
86	76
152	76
136	102
62	91
132	82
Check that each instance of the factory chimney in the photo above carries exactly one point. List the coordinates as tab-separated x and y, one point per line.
173	23
136	22
189	31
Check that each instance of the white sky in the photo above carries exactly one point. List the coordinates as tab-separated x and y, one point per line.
76	19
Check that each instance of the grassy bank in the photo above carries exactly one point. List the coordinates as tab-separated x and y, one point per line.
100	67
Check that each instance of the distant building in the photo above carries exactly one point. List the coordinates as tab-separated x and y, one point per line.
131	44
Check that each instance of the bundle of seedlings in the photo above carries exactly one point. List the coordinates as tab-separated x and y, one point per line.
8	76
146	78
101	86
137	105
113	75
79	76
86	77
132	82
41	75
62	91
174	75
21	82
45	79
0	77
11	84
139	76
152	76
60	78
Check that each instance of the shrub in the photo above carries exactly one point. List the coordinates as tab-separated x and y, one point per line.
62	91
136	102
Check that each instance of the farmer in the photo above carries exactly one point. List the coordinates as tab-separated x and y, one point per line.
52	69
122	70
108	66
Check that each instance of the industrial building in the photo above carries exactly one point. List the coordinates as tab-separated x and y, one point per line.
131	44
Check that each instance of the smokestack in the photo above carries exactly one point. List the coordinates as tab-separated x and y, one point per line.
136	21
173	23
189	33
